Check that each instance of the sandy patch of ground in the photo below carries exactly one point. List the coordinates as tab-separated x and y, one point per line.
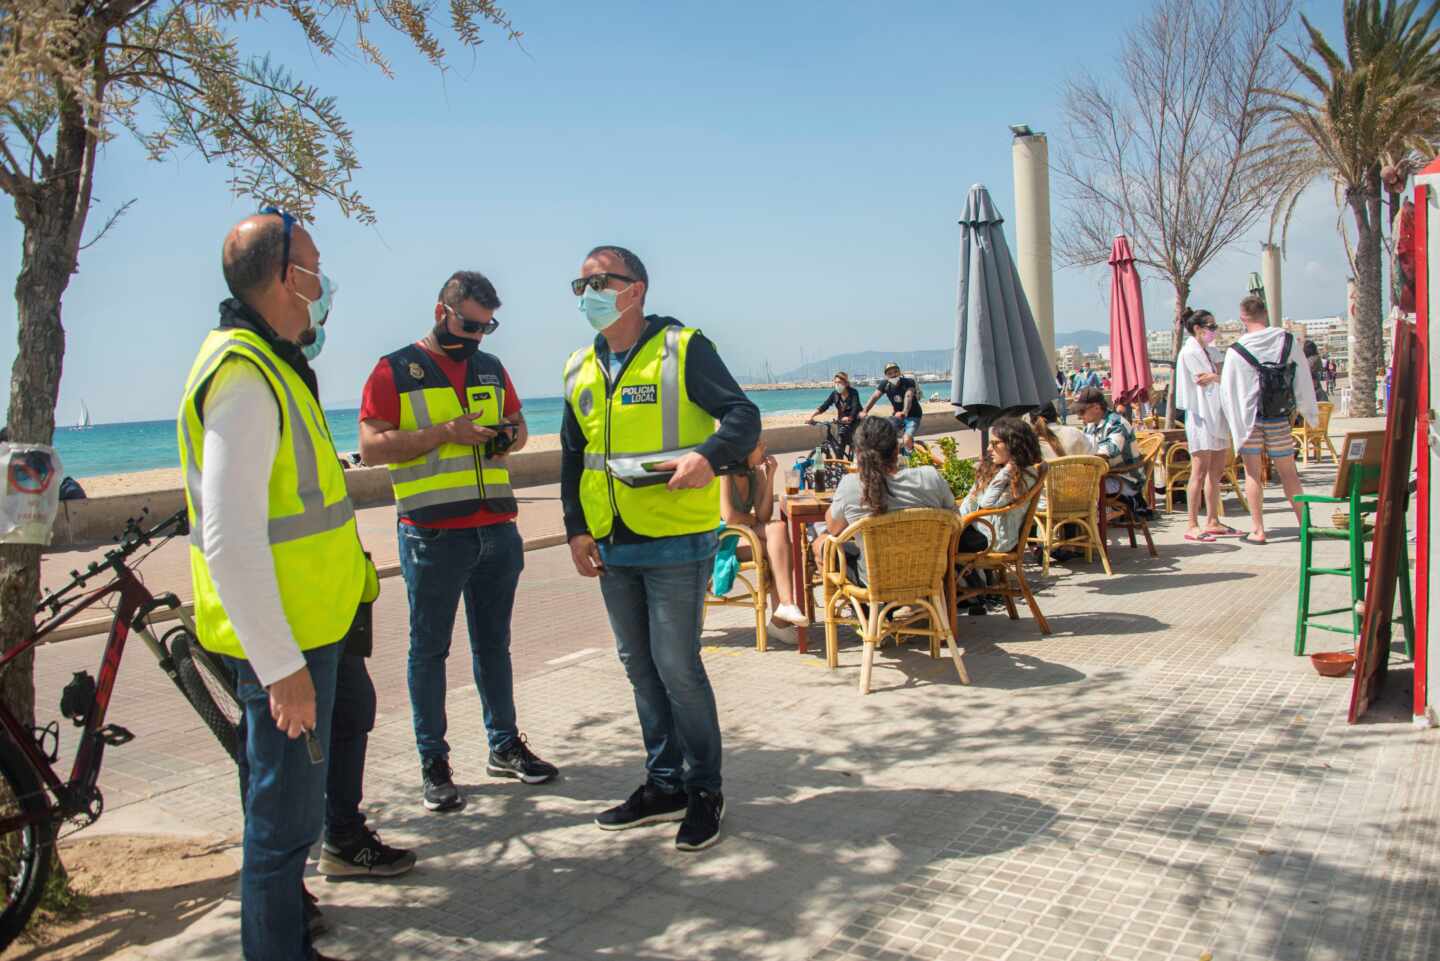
138	890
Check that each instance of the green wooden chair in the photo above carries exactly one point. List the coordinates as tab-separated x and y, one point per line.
1364	483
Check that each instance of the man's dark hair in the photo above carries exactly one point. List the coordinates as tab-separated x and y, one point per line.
254	260
1254	306
5	434
633	265
466	285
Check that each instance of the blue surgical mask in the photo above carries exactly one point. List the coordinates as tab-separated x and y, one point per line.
312	349
319	308
599	308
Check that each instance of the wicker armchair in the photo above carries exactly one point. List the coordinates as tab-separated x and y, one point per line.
1006	564
907	556
1317	437
1119	513
1177	472
1072	497
1149	446
753	578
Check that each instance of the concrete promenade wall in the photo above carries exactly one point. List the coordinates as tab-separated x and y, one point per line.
97	520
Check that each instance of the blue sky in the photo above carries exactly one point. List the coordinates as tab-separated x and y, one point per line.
791	174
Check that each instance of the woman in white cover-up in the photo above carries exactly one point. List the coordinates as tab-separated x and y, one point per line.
1197	392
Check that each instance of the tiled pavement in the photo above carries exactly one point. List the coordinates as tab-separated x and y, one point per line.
1159	779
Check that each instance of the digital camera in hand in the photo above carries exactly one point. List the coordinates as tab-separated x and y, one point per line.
503	440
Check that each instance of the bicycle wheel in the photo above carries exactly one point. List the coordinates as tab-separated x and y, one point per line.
27	852
209	687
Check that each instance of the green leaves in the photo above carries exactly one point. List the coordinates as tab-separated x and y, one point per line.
174	76
958	473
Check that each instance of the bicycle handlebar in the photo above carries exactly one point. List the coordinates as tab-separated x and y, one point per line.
131	539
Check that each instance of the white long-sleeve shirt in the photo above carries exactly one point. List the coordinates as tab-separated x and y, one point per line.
242	435
1240	382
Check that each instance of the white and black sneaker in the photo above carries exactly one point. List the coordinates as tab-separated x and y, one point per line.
364	856
521	763
701	827
440	791
647	805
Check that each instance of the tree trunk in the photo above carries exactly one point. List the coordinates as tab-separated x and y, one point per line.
1367	357
1177	340
47	261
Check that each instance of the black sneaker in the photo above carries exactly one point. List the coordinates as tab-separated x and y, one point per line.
519	762
701	827
440	791
648	805
364	856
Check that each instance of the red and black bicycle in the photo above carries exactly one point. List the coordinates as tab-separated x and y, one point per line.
35	803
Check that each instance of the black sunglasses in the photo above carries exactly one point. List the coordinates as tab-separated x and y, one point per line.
475	326
289	221
597	282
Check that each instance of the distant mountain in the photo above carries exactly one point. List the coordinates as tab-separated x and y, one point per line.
871	363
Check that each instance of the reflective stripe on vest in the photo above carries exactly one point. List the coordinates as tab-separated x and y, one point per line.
320	568
646	411
317	517
450	480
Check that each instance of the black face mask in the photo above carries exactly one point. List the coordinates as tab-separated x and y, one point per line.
455	346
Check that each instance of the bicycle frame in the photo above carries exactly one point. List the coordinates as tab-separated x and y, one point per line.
73	796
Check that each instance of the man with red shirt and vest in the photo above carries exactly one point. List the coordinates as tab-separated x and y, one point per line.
443	414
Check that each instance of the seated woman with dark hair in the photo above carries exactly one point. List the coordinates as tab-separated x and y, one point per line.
879	485
1004	476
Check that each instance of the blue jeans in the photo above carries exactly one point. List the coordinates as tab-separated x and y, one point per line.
350	725
284	805
482	565
656	614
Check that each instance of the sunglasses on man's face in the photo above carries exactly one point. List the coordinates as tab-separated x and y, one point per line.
474	326
596	282
289	221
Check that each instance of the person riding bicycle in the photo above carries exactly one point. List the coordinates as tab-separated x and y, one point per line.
904	397
846	401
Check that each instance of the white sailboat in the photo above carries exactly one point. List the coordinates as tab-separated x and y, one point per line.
84	421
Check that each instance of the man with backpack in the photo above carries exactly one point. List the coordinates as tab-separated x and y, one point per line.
1260	393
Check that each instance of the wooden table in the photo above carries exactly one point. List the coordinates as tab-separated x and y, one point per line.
800	510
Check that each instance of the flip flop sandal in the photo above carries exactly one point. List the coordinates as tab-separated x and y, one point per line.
1202	537
1246	538
1224	532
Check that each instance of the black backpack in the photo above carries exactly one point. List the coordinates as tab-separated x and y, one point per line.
1277	381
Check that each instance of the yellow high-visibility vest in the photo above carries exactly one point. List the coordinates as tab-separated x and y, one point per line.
453	480
319	564
647	411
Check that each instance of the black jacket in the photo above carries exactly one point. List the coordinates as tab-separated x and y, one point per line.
710	386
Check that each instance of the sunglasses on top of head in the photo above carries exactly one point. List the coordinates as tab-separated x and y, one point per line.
289	221
597	282
474	326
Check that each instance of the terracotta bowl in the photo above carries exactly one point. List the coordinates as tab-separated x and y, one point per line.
1333	663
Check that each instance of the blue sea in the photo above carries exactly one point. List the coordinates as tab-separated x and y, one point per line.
144	445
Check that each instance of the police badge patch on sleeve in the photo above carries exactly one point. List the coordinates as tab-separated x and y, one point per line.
417	371
637	394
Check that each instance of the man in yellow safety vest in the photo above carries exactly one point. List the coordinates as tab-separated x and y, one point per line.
648	386
276	563
443	415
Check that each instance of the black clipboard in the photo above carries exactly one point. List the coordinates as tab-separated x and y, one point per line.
632	470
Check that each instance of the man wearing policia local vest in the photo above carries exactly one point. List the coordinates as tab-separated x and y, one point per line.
649	385
276	562
443	414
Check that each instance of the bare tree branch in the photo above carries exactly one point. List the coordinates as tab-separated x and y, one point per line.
110	222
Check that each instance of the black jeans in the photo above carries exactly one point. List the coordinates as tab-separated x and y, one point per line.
350	725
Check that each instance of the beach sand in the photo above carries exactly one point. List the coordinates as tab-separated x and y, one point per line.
168	478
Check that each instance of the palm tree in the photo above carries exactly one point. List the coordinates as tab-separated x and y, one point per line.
1378	104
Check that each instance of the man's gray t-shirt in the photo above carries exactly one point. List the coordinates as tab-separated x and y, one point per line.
908	487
